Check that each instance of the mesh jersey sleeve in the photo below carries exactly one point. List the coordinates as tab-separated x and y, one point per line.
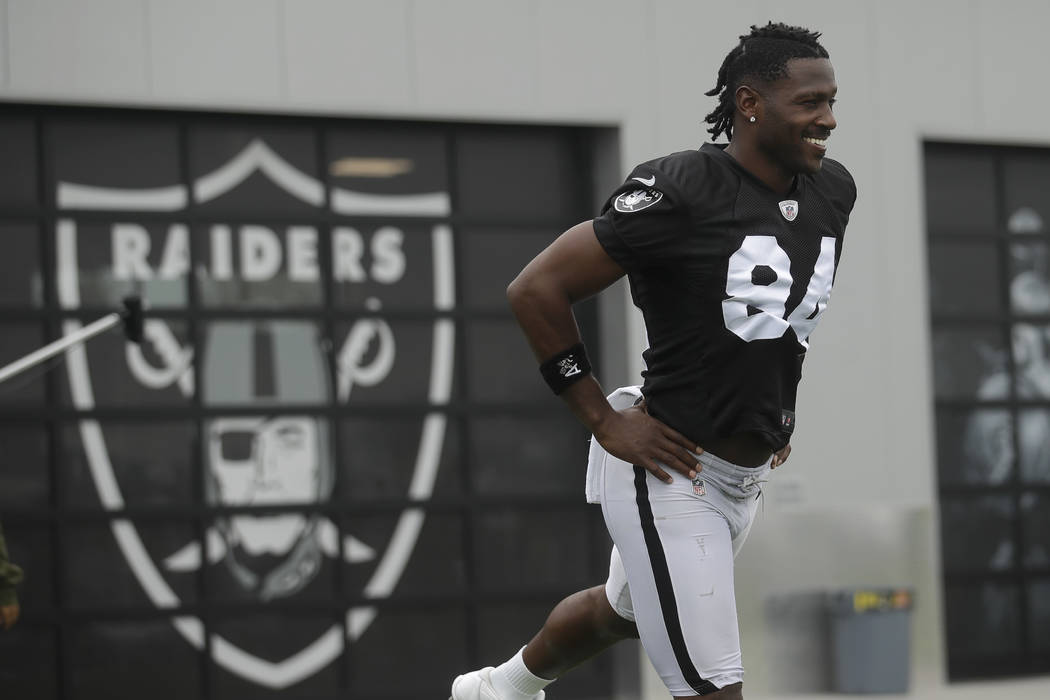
845	187
643	221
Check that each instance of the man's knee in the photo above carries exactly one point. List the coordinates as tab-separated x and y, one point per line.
730	692
734	691
606	619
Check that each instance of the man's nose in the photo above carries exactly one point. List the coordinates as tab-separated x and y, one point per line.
827	118
266	464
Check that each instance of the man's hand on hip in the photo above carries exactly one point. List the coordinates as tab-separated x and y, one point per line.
636	437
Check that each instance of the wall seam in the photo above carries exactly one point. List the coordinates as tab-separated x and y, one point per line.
978	59
412	65
282	52
5	70
147	46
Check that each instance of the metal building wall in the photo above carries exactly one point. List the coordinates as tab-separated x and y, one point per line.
856	504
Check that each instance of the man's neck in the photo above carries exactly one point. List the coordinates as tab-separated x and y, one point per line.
752	160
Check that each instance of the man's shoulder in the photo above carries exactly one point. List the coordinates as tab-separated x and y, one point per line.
691	176
684	164
834	169
835	176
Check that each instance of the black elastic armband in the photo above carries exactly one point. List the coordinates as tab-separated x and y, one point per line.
566	368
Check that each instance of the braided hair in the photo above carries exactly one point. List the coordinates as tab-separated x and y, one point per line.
762	54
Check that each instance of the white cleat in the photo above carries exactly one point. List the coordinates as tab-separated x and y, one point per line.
477	685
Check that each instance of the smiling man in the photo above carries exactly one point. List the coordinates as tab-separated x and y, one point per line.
731	251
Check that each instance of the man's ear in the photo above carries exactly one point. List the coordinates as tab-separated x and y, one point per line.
748	102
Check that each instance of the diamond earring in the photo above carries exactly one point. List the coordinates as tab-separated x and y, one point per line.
751	119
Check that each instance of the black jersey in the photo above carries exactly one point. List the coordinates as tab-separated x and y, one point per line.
731	279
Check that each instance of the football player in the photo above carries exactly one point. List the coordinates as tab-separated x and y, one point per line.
730	251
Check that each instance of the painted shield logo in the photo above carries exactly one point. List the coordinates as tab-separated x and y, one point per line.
267	453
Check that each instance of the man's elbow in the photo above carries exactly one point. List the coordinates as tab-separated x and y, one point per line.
530	291
518	291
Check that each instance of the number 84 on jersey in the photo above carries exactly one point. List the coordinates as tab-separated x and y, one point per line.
759	278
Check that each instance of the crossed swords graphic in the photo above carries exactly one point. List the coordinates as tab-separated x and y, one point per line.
178	360
189	557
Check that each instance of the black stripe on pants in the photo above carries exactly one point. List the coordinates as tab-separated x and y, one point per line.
664	590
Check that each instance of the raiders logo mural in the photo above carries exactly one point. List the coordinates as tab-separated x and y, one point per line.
268	382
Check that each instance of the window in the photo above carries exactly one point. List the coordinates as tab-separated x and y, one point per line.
989	257
333	448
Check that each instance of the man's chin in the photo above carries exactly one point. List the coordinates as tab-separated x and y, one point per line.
811	166
269	534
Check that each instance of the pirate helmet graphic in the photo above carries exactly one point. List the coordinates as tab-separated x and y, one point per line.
270	458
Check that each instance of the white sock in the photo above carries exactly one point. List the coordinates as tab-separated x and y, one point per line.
514	681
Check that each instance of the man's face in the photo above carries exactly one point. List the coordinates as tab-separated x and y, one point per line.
258	461
796	117
263	461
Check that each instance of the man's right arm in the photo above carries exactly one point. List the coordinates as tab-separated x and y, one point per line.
575	267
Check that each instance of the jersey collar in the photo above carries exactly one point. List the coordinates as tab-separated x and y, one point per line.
718	150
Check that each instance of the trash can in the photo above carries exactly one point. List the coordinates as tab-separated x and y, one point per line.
870	640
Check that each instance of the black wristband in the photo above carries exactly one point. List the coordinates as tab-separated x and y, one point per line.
566	368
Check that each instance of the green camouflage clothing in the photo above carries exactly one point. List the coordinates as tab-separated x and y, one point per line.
10	575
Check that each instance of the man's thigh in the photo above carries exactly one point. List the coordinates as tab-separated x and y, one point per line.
677	553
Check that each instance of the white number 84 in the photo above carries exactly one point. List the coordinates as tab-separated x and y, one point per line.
772	321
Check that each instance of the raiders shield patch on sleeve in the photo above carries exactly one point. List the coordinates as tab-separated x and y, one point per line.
637	200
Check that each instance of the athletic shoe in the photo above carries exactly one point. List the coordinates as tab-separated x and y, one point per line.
477	685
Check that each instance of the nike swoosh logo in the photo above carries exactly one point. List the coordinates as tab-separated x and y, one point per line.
648	183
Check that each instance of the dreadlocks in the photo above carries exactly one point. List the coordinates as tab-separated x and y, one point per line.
762	54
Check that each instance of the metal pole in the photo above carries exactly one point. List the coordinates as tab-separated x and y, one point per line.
48	351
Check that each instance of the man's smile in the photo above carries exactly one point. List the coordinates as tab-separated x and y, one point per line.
822	144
